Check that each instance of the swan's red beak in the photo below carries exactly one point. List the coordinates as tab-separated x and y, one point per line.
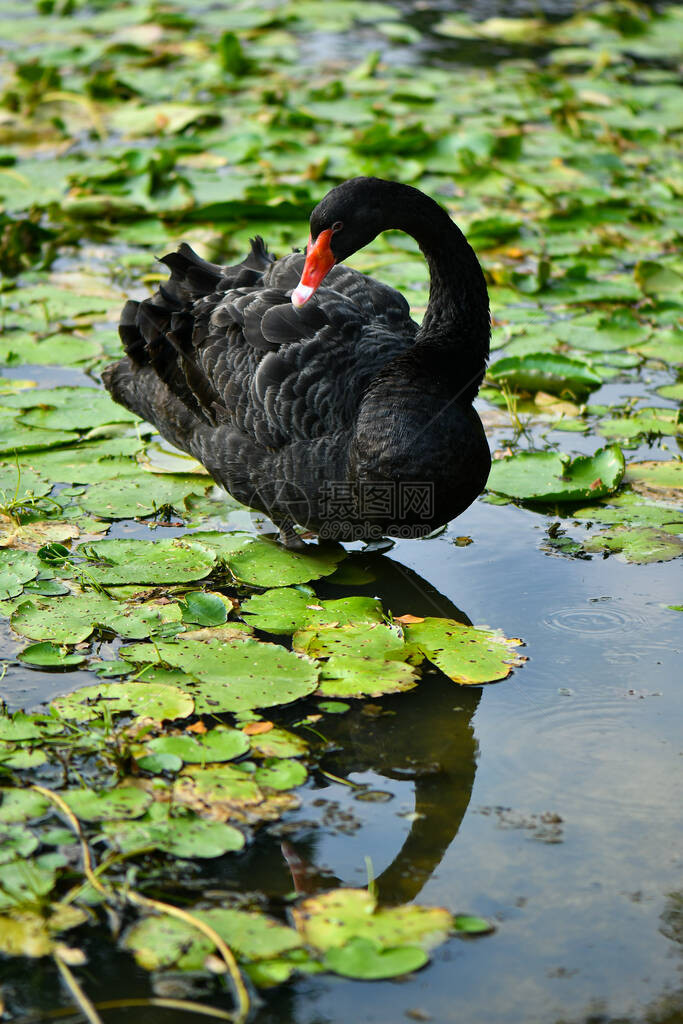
319	262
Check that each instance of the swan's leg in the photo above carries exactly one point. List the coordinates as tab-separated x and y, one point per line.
289	538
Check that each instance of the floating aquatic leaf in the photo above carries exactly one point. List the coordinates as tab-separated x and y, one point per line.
141	495
237	675
349	676
17	437
277	742
148	561
21	805
16	841
164	942
280	773
151	700
69	408
107	805
265	564
16	569
546	371
334	918
644	421
181	836
470	925
88	463
551	477
661	478
370	640
47	655
56	350
72	618
286	609
465	654
218	744
364	959
638	544
203	609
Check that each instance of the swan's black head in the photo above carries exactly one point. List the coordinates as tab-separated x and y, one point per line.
349	217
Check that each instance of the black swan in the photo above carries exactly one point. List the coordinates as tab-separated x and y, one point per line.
305	388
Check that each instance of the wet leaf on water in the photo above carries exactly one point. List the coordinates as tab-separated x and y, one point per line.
466	924
203	609
107	805
164	942
465	654
331	920
278	742
349	676
218	744
237	675
16	841
287	609
30	934
16	569
638	544
552	477
19	726
72	618
280	773
142	495
182	836
363	959
68	408
265	564
148	561
545	371
662	479
371	640
21	805
643	421
151	700
47	655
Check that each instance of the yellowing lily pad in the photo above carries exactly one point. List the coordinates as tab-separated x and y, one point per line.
465	654
151	700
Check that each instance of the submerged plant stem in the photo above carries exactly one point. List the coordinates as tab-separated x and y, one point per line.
87	1008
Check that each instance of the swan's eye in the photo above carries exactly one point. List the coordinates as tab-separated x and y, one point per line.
337	226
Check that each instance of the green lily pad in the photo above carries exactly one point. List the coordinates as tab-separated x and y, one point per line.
16	841
287	609
465	654
70	408
148	561
644	421
16	569
88	463
20	726
179	836
143	495
235	676
218	744
47	655
72	618
158	942
362	958
21	805
331	920
545	371
277	742
19	483
265	564
204	609
369	640
281	773
638	544
467	924
56	350
348	676
662	478
151	700
16	437
108	805
551	477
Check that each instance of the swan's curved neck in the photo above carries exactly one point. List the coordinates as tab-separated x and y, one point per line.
457	326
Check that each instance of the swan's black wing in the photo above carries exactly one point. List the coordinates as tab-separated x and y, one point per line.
227	369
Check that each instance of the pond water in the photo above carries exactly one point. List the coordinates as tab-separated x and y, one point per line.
548	803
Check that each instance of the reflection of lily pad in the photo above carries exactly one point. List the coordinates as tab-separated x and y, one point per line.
551	477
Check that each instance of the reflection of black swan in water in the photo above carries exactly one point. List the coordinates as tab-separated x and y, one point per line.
318	403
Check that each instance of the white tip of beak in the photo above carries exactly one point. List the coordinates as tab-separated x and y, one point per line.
301	294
